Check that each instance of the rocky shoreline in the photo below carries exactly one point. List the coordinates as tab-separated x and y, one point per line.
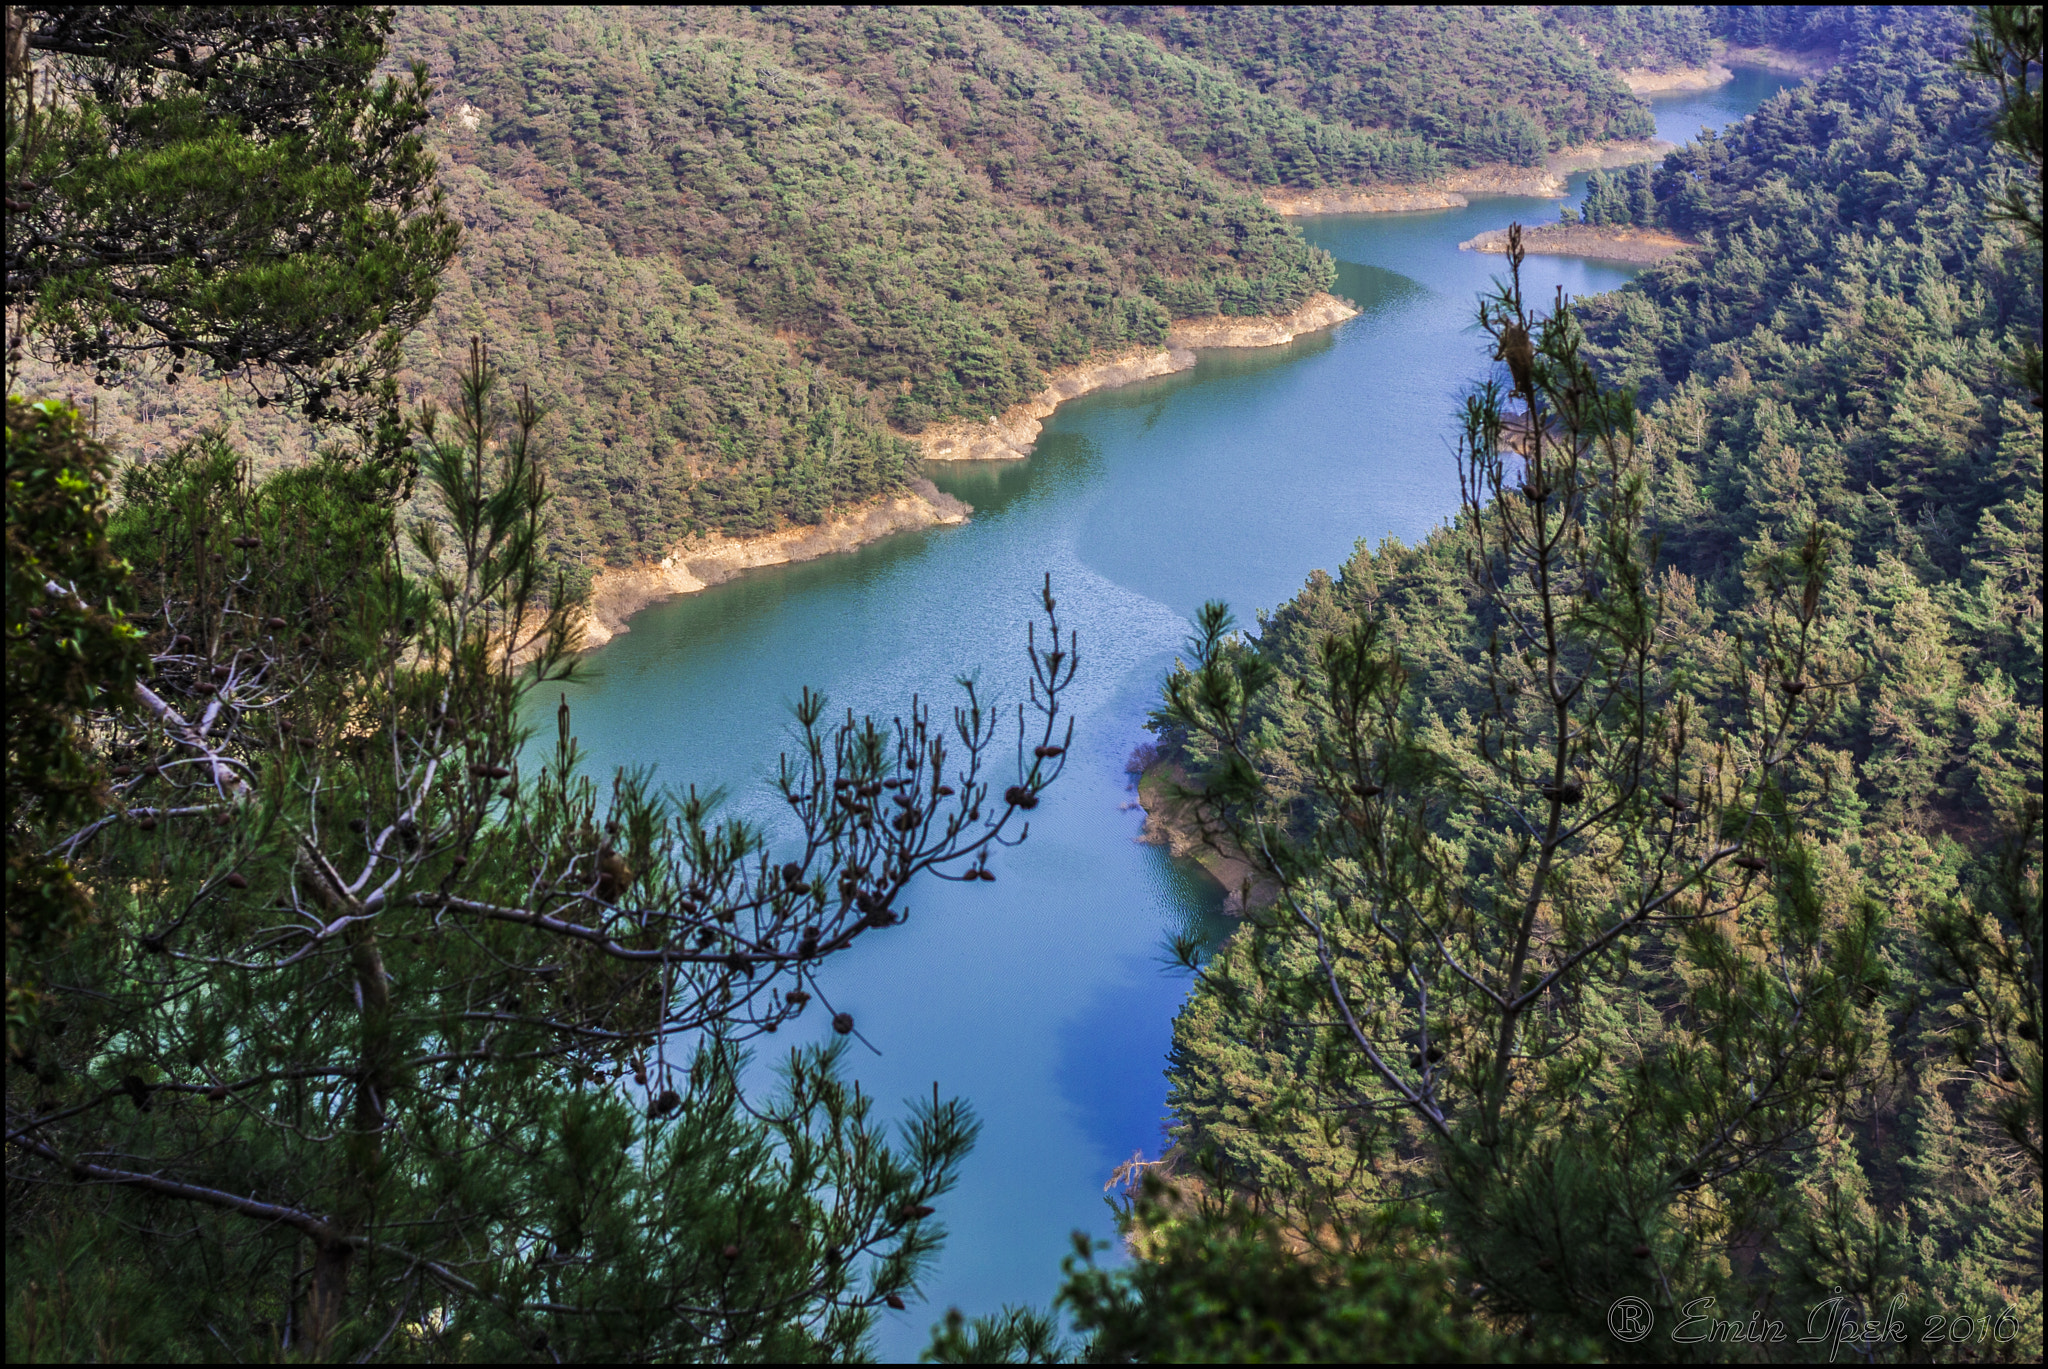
1636	246
1454	190
1716	73
1388	200
1012	433
1643	81
618	593
1169	822
1801	64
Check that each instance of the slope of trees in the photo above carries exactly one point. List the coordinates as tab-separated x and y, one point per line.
671	410
342	1026
1653	37
1242	133
1481	85
1791	28
900	191
1838	463
740	253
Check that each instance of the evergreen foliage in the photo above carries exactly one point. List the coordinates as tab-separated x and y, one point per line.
2010	49
70	649
1220	1281
380	1046
1790	28
219	184
1824	383
713	424
1646	37
1514	943
814	167
1617	198
1242	133
1493	84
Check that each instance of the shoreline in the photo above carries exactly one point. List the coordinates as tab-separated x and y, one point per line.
1453	191
697	563
1168	824
1680	80
619	592
1011	434
1783	62
1636	246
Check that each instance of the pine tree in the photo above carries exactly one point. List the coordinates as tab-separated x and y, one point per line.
395	1037
69	650
1565	946
223	187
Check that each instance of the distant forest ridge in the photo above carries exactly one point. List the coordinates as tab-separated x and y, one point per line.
739	253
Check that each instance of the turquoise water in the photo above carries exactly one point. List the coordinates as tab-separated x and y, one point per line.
1681	117
1042	997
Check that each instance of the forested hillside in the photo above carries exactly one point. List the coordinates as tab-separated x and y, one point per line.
1665	37
243	1129
741	253
1838	349
1483	85
1657	846
1650	37
1237	129
1829	381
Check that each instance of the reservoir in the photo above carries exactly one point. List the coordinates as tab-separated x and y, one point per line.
1042	998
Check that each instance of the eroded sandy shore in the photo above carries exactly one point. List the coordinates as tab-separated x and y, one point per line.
1643	81
1170	821
617	593
1454	190
1011	433
697	563
1804	65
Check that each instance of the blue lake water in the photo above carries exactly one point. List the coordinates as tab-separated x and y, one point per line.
1042	998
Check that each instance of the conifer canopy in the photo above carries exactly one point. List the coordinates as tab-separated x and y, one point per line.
222	187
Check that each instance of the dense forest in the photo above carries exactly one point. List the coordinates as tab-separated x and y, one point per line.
1657	845
1834	379
1661	38
741	254
1646	37
1496	85
250	1114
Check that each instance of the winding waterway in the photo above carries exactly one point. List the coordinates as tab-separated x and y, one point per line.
1042	997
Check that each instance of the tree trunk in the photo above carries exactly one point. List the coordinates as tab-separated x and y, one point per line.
325	1298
